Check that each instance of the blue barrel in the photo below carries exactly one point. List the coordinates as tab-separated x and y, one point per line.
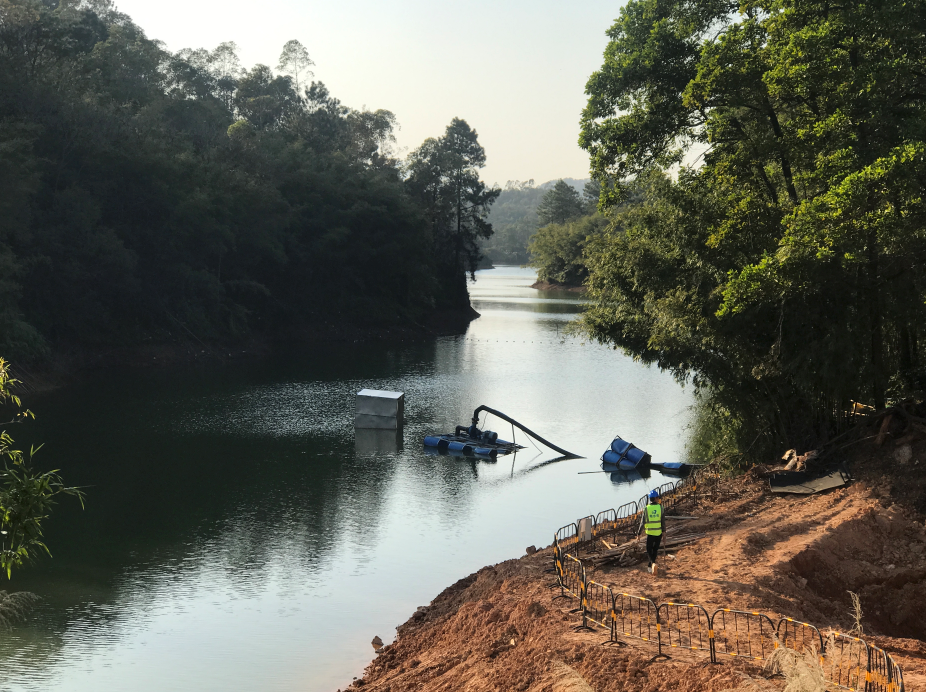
635	455
459	447
611	457
432	441
486	452
620	446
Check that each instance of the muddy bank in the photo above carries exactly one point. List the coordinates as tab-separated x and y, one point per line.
787	556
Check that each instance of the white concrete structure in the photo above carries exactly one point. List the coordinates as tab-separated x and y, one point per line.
379	409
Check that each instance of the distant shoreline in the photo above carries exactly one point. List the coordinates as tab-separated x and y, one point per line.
70	365
552	286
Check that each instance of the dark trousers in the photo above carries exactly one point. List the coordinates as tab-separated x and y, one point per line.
652	546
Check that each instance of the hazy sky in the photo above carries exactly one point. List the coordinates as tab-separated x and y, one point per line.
514	70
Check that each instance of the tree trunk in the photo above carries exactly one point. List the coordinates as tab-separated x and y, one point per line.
875	318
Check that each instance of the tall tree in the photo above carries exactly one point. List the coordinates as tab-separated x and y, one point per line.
295	61
444	174
560	204
265	99
226	66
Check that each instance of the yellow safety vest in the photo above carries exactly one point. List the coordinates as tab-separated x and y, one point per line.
653	523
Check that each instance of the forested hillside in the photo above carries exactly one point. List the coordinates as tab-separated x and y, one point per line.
784	276
146	193
514	219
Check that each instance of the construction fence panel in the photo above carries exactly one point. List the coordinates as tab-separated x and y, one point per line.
628	516
800	636
557	562
845	662
599	608
568	538
879	672
605	523
744	634
573	577
686	626
613	523
848	662
666	493
896	675
637	617
585	534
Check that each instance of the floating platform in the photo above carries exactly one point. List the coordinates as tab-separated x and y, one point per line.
484	446
471	440
674	467
625	456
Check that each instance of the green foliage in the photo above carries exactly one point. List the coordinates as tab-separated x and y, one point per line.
514	218
558	250
26	495
149	193
560	204
785	275
514	221
443	174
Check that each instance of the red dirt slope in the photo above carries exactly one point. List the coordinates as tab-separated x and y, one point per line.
500	629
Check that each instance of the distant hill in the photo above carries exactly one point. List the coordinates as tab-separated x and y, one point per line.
577	184
514	219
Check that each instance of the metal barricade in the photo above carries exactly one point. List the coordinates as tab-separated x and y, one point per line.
599	607
573	577
604	523
744	634
879	672
799	636
845	662
686	626
611	523
567	538
628	517
557	563
585	534
637	617
896	675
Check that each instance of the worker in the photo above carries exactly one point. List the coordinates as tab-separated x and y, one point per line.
654	522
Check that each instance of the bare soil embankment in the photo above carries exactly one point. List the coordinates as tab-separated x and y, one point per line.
501	629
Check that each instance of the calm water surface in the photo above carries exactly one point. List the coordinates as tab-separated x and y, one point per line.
239	535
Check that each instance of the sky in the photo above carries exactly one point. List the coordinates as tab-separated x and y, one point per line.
514	70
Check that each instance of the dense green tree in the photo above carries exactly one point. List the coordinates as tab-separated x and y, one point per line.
560	204
785	273
444	174
295	61
514	220
558	250
265	99
154	194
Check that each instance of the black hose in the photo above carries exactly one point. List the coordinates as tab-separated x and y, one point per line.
568	455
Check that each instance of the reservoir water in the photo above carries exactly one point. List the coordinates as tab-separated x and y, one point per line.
238	535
